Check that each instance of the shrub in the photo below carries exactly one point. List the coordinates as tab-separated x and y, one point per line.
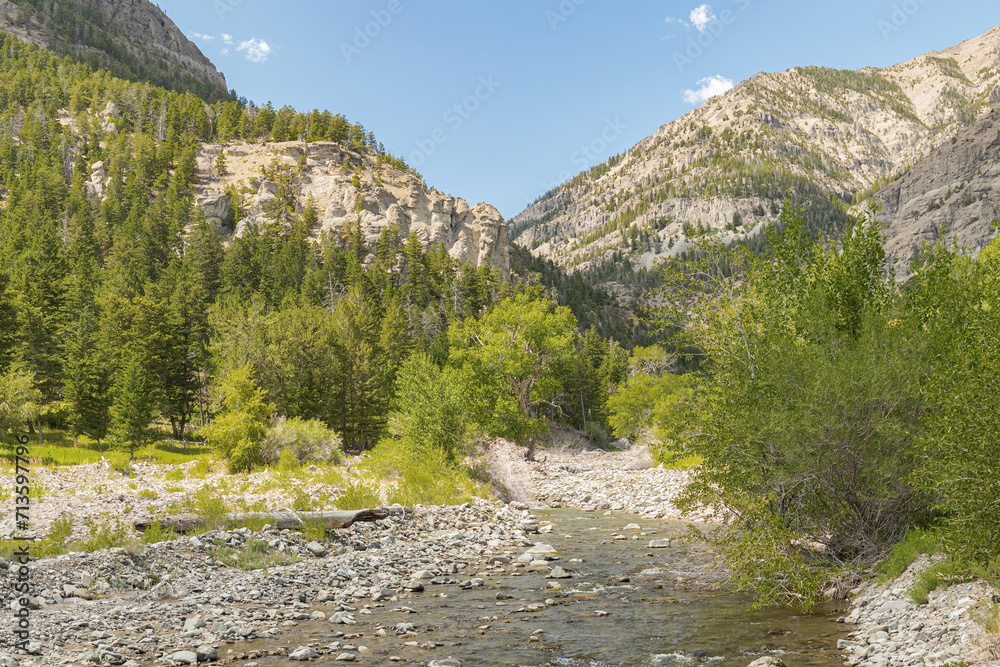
422	476
119	461
175	475
236	434
358	496
157	533
309	441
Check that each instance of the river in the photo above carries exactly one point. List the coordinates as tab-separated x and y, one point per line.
626	604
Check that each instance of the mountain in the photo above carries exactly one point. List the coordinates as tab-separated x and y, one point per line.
830	137
954	191
133	39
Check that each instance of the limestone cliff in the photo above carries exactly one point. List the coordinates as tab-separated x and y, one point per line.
954	191
345	186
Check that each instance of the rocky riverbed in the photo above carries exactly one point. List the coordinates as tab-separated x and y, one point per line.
189	600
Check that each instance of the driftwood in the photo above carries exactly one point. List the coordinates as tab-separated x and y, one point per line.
183	523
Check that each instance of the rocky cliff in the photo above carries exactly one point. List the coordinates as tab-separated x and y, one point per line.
722	169
954	191
131	38
345	186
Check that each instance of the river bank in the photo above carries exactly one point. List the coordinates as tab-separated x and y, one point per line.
189	600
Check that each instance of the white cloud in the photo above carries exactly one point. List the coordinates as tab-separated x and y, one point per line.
227	39
257	50
224	52
710	87
198	35
701	16
671	19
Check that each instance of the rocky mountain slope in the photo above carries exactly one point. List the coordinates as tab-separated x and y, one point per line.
345	186
954	191
823	134
133	39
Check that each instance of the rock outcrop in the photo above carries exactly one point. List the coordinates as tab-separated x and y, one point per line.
954	191
147	44
818	132
345	187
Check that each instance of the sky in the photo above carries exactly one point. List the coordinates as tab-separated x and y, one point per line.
502	101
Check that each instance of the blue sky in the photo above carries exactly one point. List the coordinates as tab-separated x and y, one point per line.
500	102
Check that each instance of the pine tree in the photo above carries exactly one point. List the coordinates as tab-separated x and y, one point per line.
132	409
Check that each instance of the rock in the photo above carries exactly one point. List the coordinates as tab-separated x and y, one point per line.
541	549
845	644
447	662
659	544
767	661
7	661
342	618
194	623
217	207
632	526
346	657
558	573
207	653
414	586
316	549
183	658
422	574
304	653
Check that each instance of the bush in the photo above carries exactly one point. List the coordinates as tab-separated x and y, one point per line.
236	434
421	476
309	441
175	475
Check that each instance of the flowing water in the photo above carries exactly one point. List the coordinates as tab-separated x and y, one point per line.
667	612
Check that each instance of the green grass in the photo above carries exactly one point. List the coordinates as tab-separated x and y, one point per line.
904	553
58	450
256	556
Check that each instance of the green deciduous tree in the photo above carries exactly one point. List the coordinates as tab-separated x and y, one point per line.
809	404
518	349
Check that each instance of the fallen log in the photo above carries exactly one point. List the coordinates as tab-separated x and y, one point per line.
185	523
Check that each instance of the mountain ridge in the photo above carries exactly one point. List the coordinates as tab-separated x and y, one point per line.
133	39
822	134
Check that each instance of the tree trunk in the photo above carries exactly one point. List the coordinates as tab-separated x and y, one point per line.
183	523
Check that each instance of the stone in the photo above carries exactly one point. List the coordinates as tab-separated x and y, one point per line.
207	653
845	644
303	653
183	658
422	574
194	623
659	544
414	586
342	618
447	662
558	573
316	549
767	661
346	657
632	526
